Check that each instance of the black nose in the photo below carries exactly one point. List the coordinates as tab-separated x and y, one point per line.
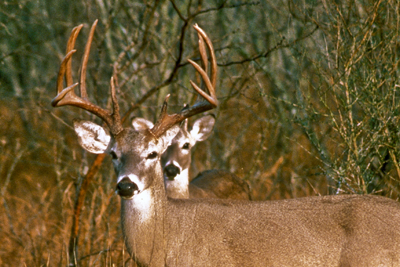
126	188
171	171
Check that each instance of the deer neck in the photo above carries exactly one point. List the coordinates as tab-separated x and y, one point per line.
179	187
142	218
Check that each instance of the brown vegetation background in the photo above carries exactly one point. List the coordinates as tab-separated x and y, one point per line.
308	95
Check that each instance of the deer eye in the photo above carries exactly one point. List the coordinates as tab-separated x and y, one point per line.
152	155
113	155
185	146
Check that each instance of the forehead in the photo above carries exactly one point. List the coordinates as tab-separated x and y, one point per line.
131	140
182	136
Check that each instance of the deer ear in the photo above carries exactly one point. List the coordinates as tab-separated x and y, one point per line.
140	124
202	128
92	137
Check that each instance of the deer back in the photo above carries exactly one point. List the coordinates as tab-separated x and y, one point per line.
219	184
347	230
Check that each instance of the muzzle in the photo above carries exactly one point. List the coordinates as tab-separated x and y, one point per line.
126	188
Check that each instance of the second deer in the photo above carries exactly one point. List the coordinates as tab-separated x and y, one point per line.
345	230
176	161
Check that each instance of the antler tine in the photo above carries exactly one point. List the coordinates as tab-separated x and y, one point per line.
67	96
85	59
209	83
70	46
165	120
205	38
203	52
65	68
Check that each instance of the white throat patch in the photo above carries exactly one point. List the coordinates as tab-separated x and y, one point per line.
143	205
179	187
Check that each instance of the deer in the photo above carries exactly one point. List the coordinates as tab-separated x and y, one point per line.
335	230
175	162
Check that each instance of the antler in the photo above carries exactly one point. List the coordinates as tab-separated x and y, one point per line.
165	121
67	96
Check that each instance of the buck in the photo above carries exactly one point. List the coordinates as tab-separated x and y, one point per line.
342	230
175	162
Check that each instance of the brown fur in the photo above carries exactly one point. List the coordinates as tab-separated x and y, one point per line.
344	230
